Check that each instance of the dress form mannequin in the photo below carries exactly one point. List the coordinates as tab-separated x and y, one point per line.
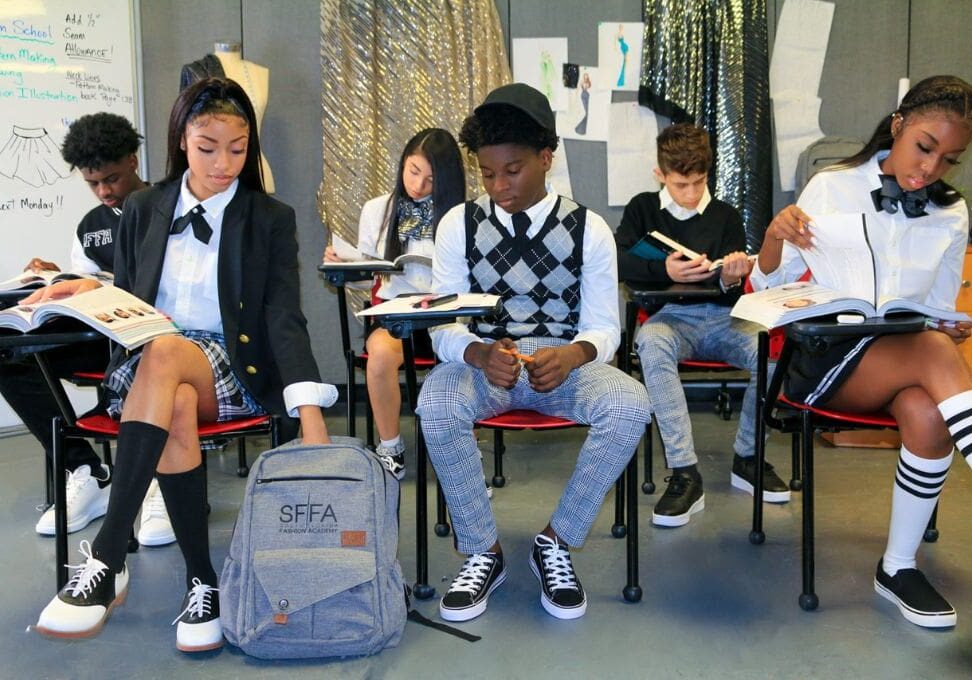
255	81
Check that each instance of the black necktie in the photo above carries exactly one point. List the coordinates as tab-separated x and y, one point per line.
200	227
891	196
521	222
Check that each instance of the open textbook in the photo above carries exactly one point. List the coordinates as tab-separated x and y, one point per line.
28	280
845	280
656	246
355	259
111	311
413	304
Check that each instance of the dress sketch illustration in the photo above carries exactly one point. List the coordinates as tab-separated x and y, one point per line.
585	97
31	156
546	74
623	47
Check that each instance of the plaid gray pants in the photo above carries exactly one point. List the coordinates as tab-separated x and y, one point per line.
455	395
704	332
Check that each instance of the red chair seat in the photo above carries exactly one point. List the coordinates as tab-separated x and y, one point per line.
707	365
420	362
88	375
525	419
101	423
869	419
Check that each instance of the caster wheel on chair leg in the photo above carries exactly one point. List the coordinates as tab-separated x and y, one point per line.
796	484
132	544
757	537
242	472
930	535
423	591
632	593
648	488
809	601
619	531
442	530
499	482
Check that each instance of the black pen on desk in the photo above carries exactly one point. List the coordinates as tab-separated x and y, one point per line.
428	303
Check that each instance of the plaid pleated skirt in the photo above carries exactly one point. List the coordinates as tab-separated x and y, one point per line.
234	400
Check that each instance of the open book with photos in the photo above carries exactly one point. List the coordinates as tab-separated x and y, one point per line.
845	282
28	280
113	312
355	259
657	246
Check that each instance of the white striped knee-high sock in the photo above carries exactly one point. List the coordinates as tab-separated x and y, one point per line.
957	411
917	485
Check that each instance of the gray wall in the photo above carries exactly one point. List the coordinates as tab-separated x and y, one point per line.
871	36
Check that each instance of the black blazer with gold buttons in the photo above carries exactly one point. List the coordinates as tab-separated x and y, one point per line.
259	290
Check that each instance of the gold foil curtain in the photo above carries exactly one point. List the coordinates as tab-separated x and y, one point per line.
707	62
388	69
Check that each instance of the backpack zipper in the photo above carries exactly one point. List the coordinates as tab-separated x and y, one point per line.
303	478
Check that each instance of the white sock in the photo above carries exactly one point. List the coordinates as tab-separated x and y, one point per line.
391	443
917	485
957	412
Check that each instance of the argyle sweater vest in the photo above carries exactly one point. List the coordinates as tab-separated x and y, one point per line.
537	278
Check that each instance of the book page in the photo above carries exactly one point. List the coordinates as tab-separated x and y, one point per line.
404	305
841	259
345	250
794	301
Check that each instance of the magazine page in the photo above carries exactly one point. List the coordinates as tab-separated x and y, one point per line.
18	318
28	279
116	313
841	257
902	305
412	304
791	302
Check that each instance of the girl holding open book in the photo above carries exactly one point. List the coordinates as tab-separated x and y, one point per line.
918	231
182	245
430	181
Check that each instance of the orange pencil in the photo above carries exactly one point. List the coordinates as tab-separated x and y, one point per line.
513	353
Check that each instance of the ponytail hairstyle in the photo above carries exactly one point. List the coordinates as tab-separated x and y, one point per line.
213	97
439	148
937	94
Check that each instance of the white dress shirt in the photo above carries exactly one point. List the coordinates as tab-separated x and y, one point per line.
666	202
916	258
599	321
188	288
416	278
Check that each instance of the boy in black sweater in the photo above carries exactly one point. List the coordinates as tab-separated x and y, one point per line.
685	211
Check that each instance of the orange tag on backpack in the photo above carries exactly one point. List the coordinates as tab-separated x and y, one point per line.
354	539
280	619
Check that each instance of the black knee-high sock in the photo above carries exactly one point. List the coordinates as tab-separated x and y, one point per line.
139	450
185	500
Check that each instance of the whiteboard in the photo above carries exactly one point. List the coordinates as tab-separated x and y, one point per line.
59	60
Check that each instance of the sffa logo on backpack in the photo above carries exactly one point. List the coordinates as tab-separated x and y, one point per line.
311	570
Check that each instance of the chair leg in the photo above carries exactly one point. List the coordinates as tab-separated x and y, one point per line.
796	481
808	598
442	527
618	529
243	468
369	422
499	448
632	590
59	479
422	589
931	531
106	454
648	486
352	393
723	402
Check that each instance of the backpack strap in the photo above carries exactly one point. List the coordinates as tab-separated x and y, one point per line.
416	616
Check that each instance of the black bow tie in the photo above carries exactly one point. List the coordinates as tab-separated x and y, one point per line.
521	223
891	196
200	227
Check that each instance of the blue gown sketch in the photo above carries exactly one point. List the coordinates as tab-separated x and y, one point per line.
585	97
623	46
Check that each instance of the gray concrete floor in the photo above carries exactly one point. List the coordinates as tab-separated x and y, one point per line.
714	606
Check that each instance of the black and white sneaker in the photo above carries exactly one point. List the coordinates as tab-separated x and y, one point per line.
775	490
561	593
199	629
393	458
469	593
915	597
86	602
683	498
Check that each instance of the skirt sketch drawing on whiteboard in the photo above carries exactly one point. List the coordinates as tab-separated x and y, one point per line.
31	156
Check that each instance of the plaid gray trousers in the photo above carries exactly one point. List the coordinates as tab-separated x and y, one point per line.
455	395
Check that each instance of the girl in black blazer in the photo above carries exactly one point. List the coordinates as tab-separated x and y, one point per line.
182	244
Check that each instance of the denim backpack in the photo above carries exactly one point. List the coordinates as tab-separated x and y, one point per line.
311	570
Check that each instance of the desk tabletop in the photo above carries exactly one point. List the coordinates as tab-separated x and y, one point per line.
55	334
829	326
673	292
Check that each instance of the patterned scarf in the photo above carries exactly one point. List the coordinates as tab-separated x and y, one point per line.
414	219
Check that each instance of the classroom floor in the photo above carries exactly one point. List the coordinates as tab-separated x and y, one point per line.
714	606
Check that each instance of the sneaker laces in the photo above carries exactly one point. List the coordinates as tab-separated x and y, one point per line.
677	486
76	481
200	601
558	571
88	575
154	505
473	574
